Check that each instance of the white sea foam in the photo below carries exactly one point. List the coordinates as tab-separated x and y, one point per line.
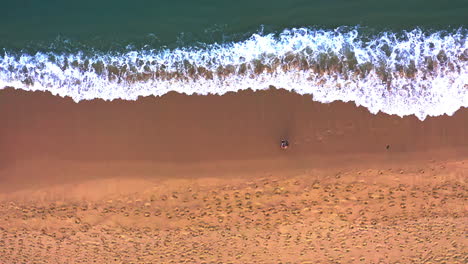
425	74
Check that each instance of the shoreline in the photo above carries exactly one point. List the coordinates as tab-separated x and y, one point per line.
234	126
48	137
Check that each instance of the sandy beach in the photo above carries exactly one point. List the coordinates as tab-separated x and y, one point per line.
201	179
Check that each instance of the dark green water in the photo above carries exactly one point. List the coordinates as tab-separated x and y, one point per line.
104	23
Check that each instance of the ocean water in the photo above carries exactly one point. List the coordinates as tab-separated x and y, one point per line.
398	57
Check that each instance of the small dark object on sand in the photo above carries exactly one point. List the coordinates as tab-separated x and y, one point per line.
284	144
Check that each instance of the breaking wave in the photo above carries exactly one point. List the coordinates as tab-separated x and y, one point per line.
403	73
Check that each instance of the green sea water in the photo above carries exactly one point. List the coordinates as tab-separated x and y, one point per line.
109	23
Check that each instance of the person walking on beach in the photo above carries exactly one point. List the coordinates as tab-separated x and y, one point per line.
284	144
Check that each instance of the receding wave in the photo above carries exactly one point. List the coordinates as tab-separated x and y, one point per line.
403	73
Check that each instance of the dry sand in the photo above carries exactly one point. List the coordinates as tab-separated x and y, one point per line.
201	179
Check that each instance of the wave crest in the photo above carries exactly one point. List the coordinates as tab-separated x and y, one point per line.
403	73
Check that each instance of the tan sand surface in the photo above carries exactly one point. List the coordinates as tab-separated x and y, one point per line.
193	179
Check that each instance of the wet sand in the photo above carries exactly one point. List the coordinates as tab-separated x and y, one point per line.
201	179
